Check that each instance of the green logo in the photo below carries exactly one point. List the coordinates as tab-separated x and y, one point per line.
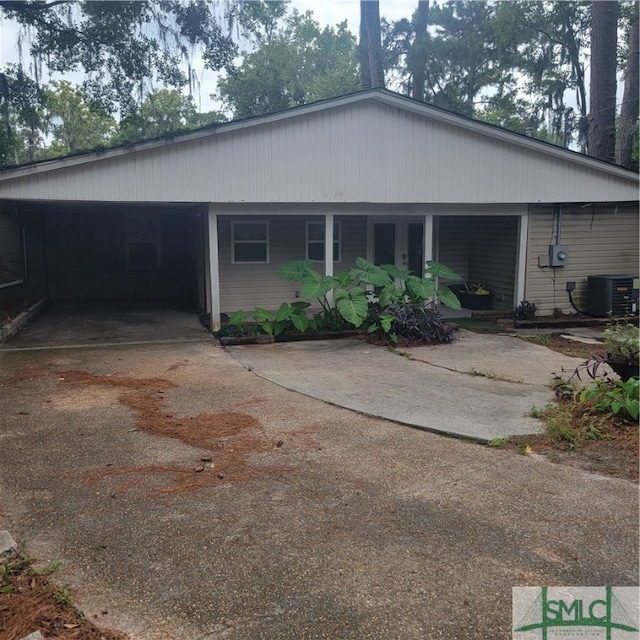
575	614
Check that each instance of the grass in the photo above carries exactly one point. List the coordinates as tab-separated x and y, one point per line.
543	339
578	434
478	325
492	375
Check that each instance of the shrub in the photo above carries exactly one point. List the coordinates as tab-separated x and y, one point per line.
418	324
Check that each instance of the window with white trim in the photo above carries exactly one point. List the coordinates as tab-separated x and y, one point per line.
250	241
315	241
142	241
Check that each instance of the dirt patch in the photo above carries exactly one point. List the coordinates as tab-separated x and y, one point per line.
227	440
594	442
30	601
572	348
29	372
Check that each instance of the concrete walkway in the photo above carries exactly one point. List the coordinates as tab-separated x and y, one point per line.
480	387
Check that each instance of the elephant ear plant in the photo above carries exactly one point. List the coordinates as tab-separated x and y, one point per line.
383	299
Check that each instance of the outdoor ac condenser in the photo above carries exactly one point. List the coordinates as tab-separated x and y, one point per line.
612	294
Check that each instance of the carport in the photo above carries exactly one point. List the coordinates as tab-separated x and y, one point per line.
91	255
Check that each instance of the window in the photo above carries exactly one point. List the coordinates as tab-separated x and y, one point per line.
250	241
315	241
143	241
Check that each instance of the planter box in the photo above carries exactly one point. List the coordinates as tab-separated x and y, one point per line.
625	370
475	302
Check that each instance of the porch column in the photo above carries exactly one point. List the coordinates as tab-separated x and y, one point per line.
521	268
213	270
427	247
328	250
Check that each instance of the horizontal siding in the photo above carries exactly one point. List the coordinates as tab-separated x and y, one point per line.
493	253
245	286
360	152
453	235
601	240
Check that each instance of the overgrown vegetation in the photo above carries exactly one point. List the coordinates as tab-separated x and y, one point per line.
384	301
593	426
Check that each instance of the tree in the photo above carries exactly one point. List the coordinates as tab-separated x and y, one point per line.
601	139
71	123
298	64
21	117
162	113
370	45
123	48
259	19
551	43
419	52
469	60
628	123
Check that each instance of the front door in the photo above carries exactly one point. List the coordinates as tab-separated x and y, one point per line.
399	242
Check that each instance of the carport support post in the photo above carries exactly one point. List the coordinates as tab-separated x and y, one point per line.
427	246
213	270
521	273
328	250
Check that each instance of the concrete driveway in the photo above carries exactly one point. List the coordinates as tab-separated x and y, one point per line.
480	387
188	498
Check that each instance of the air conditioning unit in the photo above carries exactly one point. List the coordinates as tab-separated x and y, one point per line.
616	295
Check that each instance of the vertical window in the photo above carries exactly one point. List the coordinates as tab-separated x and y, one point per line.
250	241
142	241
315	241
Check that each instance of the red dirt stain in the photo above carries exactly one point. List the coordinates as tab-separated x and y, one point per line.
229	439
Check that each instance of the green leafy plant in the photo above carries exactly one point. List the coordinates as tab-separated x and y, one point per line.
386	284
622	398
288	317
384	299
623	342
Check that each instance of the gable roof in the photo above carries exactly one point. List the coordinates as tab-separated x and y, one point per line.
365	133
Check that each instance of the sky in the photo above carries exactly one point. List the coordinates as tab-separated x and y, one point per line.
326	12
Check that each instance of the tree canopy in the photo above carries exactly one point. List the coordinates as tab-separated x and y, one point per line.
298	63
546	67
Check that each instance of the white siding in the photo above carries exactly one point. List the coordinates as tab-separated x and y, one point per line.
601	240
363	151
245	286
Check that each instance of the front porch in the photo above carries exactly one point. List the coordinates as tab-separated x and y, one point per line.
484	245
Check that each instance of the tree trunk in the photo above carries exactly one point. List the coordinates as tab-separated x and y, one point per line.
370	48
419	52
602	112
363	47
627	126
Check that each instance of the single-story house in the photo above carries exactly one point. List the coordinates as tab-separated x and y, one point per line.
209	215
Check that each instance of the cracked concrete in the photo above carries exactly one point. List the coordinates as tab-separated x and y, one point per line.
482	386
